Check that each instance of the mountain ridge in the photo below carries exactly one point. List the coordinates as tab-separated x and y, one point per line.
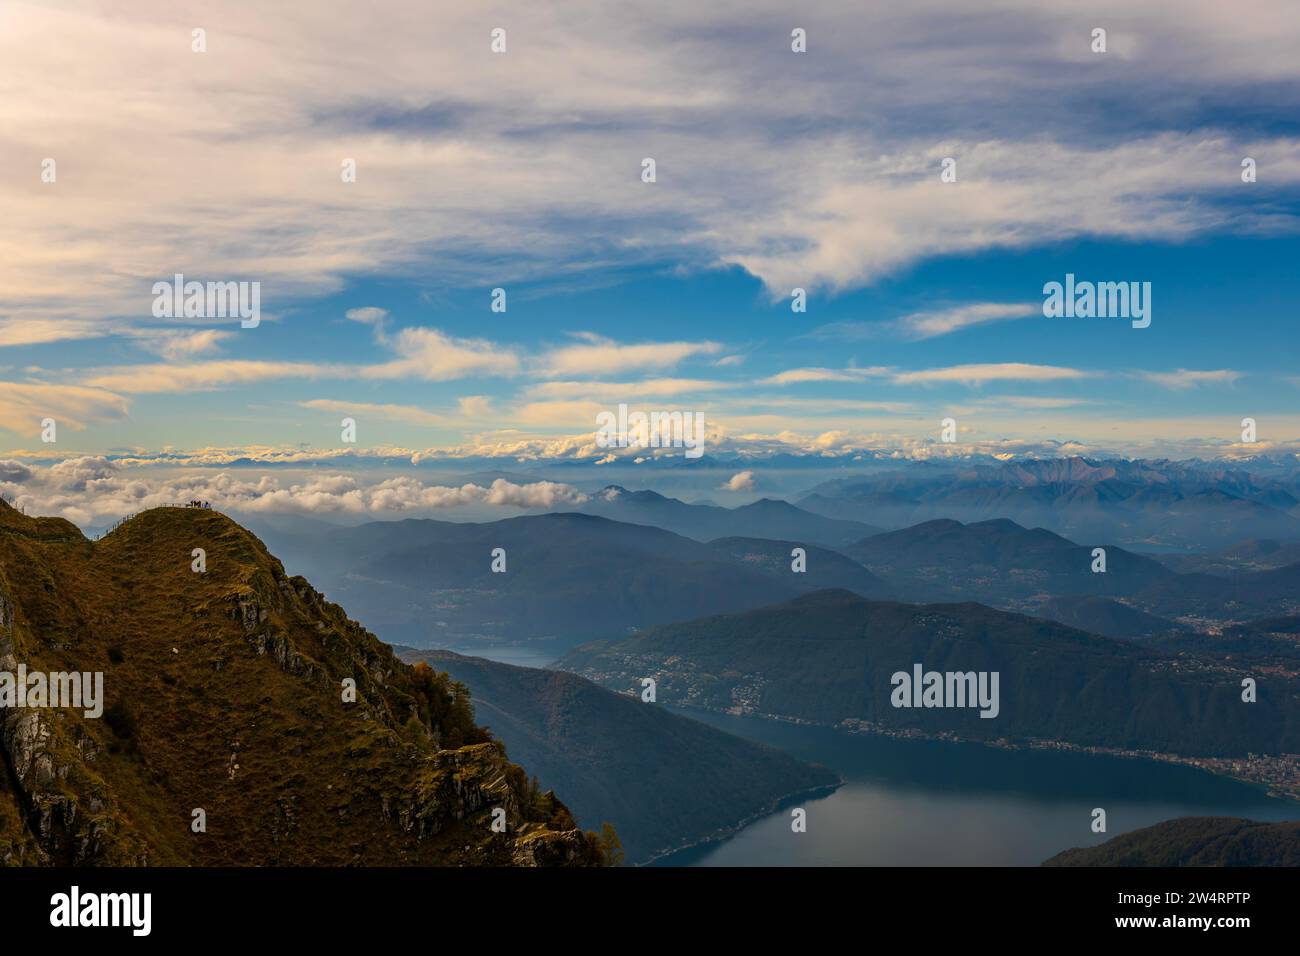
568	577
828	657
225	693
664	780
1133	502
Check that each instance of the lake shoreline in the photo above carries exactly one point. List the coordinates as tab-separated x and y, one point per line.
1288	792
723	834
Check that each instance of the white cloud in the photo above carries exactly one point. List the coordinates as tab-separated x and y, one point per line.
24	405
14	472
601	356
180	346
81	474
409	414
1032	402
741	481
485	172
559	415
93	490
895	211
434	356
203	376
368	315
34	331
1188	378
817	405
995	372
471	174
475	406
625	391
925	325
799	375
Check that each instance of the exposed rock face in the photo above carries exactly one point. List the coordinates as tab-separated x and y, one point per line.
242	693
541	847
22	739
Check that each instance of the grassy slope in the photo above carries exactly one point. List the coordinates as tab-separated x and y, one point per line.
662	779
223	692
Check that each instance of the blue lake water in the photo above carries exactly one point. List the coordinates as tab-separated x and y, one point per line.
921	803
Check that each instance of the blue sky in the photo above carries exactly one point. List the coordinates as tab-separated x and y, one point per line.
522	170
1219	304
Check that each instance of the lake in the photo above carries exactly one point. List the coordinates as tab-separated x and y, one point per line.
925	803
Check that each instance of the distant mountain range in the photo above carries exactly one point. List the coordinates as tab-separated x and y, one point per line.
997	560
765	518
568	578
1173	504
828	657
223	687
236	697
1000	563
1194	841
572	577
822	568
664	781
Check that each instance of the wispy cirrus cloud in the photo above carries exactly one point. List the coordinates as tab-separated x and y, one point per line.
624	391
597	355
24	405
978	374
824	406
1183	378
410	414
518	169
476	171
42	331
433	355
797	376
1033	402
972	374
203	376
183	345
926	325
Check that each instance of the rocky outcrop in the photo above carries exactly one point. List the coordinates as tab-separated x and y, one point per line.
66	809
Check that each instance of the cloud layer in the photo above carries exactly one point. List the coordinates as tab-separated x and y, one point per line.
95	491
818	170
806	169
